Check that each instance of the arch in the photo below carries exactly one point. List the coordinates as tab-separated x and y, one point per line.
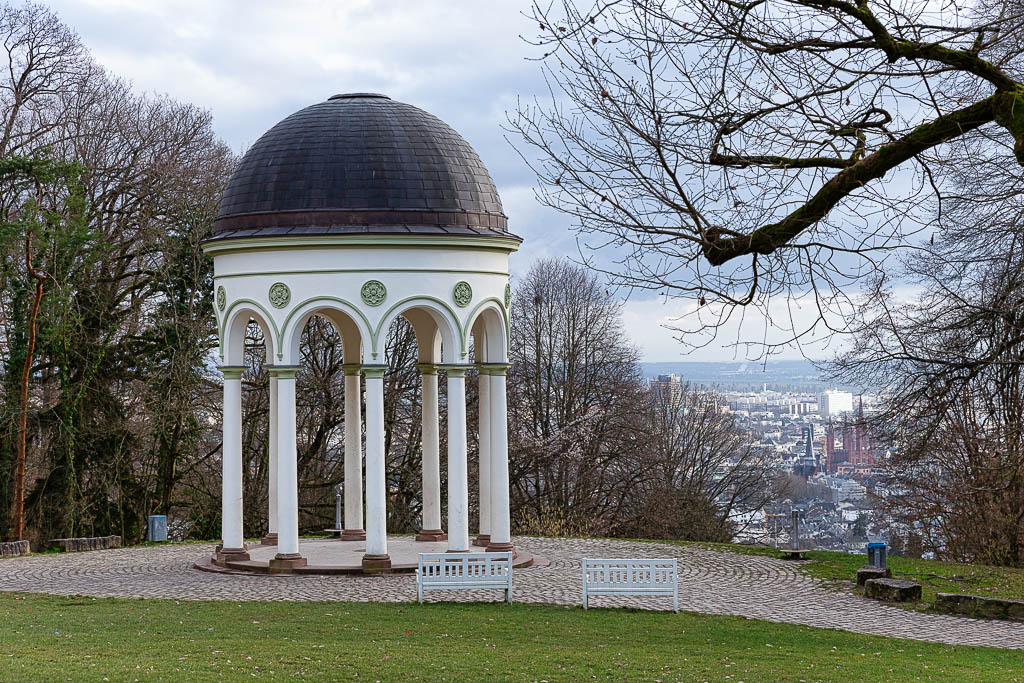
489	322
453	340
232	331
350	322
428	335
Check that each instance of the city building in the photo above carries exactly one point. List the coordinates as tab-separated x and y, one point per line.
669	385
834	402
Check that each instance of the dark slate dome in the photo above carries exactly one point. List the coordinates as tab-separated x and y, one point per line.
356	164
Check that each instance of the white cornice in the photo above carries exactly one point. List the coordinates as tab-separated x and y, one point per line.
242	244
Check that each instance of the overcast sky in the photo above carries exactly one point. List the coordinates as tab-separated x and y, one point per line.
253	63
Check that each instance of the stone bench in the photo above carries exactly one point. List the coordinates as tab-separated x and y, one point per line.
14	548
977	606
868	572
791	554
892	590
78	545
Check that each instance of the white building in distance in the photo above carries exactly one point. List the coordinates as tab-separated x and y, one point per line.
835	402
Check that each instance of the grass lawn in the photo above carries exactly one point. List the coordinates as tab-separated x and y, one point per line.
934	577
54	638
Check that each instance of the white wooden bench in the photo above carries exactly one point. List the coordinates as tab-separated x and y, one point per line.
464	571
631	577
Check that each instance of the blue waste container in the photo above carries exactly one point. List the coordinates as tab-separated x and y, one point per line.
876	555
157	528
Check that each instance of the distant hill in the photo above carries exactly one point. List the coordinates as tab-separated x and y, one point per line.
780	375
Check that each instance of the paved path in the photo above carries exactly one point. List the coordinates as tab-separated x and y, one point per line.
711	582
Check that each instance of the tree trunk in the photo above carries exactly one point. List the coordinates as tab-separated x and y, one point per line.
19	467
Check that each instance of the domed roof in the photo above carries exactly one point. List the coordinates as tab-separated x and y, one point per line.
356	164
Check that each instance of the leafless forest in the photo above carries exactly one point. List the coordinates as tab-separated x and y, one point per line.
110	401
859	161
841	169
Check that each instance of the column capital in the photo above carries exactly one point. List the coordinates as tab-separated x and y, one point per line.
374	371
283	371
455	369
492	368
232	371
427	368
352	368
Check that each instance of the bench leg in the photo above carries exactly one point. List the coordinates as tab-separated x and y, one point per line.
584	583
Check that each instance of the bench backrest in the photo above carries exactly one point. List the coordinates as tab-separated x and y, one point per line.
613	573
468	567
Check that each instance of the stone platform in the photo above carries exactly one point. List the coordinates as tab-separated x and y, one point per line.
333	556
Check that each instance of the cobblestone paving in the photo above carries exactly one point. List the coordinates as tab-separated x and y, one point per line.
709	581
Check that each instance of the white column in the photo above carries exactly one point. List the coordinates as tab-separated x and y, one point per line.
271	537
484	449
458	486
501	527
353	457
232	545
431	530
287	473
376	557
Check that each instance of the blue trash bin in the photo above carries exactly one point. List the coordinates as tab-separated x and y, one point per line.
876	555
157	528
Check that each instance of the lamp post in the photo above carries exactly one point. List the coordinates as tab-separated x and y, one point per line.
339	490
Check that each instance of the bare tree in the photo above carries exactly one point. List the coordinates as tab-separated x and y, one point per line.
950	362
737	151
575	397
706	477
961	491
125	324
47	66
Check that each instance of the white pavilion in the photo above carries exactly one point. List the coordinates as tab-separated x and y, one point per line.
361	209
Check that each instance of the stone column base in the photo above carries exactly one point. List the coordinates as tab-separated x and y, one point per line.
285	563
494	547
377	564
482	541
431	535
353	534
223	555
269	539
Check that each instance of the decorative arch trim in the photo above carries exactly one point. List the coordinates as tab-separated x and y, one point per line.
388	318
349	310
265	314
477	310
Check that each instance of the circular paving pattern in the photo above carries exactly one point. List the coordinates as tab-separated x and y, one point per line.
709	581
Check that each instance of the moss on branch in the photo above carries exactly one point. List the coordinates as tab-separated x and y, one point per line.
1002	106
1010	115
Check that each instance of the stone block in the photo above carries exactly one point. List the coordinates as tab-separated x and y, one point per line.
977	606
1015	611
79	545
892	590
868	572
14	548
790	554
286	563
954	603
